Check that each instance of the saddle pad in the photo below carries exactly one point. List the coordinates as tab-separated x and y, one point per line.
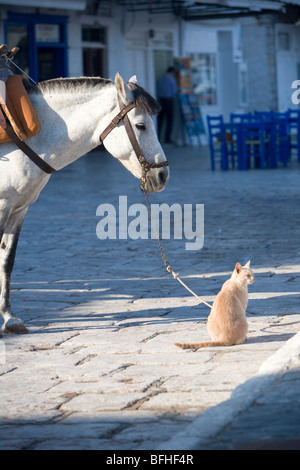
19	111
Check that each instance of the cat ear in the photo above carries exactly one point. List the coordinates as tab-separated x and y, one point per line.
247	265
238	267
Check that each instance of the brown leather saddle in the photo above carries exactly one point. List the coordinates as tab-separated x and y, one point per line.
19	111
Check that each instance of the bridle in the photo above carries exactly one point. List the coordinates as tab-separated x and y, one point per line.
122	116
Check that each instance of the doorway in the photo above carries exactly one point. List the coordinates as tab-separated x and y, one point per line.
93	62
228	75
50	63
162	60
43	44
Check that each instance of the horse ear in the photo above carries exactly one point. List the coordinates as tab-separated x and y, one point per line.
122	89
133	79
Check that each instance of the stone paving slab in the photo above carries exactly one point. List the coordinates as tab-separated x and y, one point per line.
99	369
262	414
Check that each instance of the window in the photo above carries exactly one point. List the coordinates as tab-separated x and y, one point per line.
204	81
93	62
283	41
94	40
94	34
42	40
17	35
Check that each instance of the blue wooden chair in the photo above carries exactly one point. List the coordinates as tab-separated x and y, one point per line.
264	115
253	144
234	130
276	130
217	142
293	116
240	117
281	149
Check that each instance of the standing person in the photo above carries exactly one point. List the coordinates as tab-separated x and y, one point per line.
166	91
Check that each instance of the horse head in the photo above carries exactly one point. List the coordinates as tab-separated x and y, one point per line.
151	165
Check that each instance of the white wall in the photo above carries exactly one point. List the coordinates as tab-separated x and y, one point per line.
75	65
287	64
223	41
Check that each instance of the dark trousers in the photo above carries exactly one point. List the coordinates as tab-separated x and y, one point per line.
166	114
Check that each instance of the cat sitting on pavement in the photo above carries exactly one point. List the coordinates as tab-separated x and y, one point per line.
227	324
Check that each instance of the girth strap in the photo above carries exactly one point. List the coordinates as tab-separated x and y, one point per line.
27	150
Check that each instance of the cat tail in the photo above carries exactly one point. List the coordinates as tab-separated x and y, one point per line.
199	345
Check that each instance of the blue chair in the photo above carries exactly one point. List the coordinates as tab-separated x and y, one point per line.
217	141
240	117
281	149
234	130
264	115
276	131
293	116
253	144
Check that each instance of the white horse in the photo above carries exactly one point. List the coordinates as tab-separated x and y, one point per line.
73	113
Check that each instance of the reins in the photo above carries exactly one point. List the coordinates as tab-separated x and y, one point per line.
167	264
146	166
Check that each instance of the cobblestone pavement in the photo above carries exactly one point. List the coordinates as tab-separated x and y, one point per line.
98	369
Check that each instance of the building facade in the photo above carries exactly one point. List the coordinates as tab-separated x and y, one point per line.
239	62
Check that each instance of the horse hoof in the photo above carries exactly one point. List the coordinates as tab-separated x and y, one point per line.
14	326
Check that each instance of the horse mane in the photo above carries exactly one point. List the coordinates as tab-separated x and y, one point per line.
143	99
62	85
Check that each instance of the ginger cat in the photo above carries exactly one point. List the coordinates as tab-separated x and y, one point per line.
227	323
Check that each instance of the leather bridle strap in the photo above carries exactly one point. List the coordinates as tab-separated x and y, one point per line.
122	116
116	120
135	145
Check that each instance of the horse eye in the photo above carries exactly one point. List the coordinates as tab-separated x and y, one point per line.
140	127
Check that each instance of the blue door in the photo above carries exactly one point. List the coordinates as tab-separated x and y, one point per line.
42	40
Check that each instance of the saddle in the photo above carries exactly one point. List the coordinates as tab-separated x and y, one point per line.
19	111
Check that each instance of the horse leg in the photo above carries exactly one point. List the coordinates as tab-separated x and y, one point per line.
3	219
8	248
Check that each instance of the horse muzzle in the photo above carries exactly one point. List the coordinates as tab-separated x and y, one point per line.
156	179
